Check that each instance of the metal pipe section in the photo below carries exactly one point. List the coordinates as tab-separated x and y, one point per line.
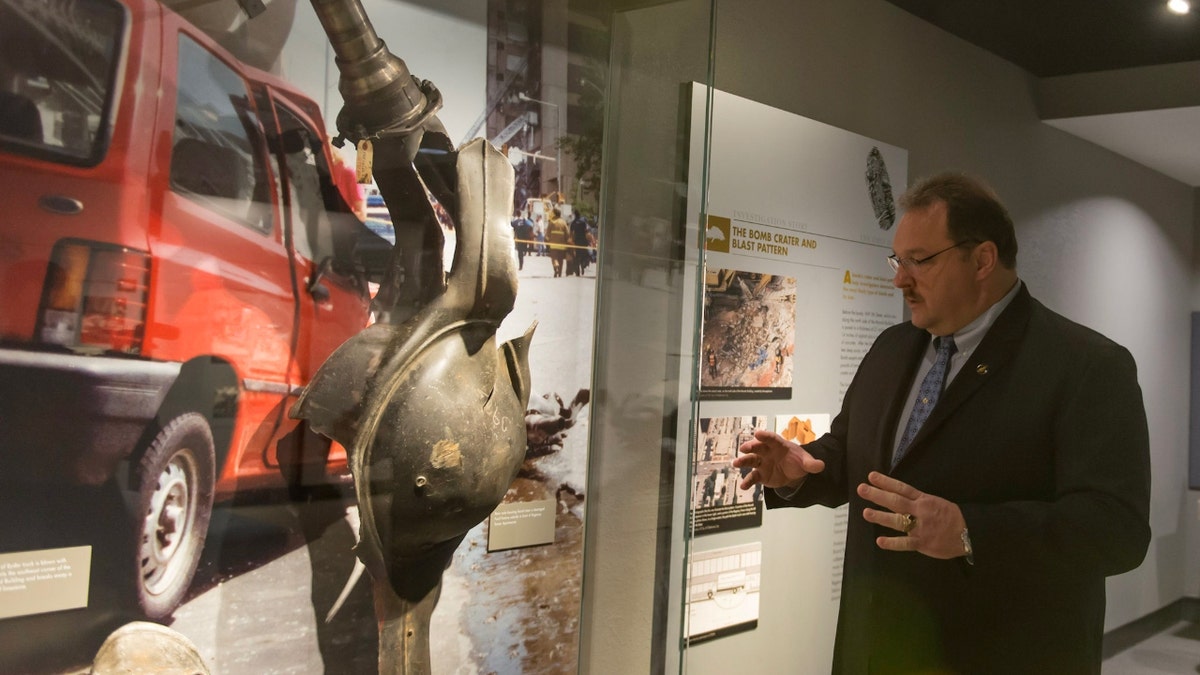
381	95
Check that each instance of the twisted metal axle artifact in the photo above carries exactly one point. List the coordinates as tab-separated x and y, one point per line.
429	407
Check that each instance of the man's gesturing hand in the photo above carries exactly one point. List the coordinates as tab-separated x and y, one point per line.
934	529
775	462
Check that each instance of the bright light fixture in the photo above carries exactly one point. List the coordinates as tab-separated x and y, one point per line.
1179	6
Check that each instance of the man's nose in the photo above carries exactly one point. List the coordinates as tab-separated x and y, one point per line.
902	279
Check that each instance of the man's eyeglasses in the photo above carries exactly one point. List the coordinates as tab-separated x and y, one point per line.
911	264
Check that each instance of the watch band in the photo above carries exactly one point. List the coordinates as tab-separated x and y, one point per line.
967	550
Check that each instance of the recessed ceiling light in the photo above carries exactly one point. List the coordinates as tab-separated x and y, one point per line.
1179	6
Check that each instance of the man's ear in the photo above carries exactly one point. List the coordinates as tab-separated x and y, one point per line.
986	257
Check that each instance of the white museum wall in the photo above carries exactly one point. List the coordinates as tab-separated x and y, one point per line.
1105	241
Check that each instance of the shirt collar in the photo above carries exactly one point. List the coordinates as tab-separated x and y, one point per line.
967	338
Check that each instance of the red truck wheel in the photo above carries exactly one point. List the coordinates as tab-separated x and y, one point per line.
174	503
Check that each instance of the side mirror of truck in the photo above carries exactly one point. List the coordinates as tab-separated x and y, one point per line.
318	290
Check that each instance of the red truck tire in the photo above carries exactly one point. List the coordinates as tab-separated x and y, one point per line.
175	499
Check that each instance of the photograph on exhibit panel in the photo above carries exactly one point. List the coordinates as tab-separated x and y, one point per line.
749	335
723	591
802	427
719	504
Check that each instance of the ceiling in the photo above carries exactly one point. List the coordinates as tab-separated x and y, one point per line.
1124	74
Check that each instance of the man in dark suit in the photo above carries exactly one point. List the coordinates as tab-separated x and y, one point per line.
981	531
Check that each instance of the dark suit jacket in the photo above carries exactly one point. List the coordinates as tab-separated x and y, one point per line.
1041	440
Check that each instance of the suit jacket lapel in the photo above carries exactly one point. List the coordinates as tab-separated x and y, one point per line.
994	352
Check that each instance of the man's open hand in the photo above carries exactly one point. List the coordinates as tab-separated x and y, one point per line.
775	462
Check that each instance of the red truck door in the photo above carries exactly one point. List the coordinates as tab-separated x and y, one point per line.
221	273
322	232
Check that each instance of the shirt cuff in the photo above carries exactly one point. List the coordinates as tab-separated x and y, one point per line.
787	492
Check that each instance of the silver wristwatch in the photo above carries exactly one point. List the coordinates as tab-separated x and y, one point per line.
967	550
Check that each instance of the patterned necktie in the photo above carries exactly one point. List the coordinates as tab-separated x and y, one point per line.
927	396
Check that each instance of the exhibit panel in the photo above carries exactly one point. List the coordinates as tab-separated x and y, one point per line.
270	375
794	287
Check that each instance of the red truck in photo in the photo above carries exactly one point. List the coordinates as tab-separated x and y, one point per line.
176	260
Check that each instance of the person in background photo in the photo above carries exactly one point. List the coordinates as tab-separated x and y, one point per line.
539	233
558	235
995	457
580	254
522	238
593	238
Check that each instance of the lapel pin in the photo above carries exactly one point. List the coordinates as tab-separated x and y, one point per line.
982	369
